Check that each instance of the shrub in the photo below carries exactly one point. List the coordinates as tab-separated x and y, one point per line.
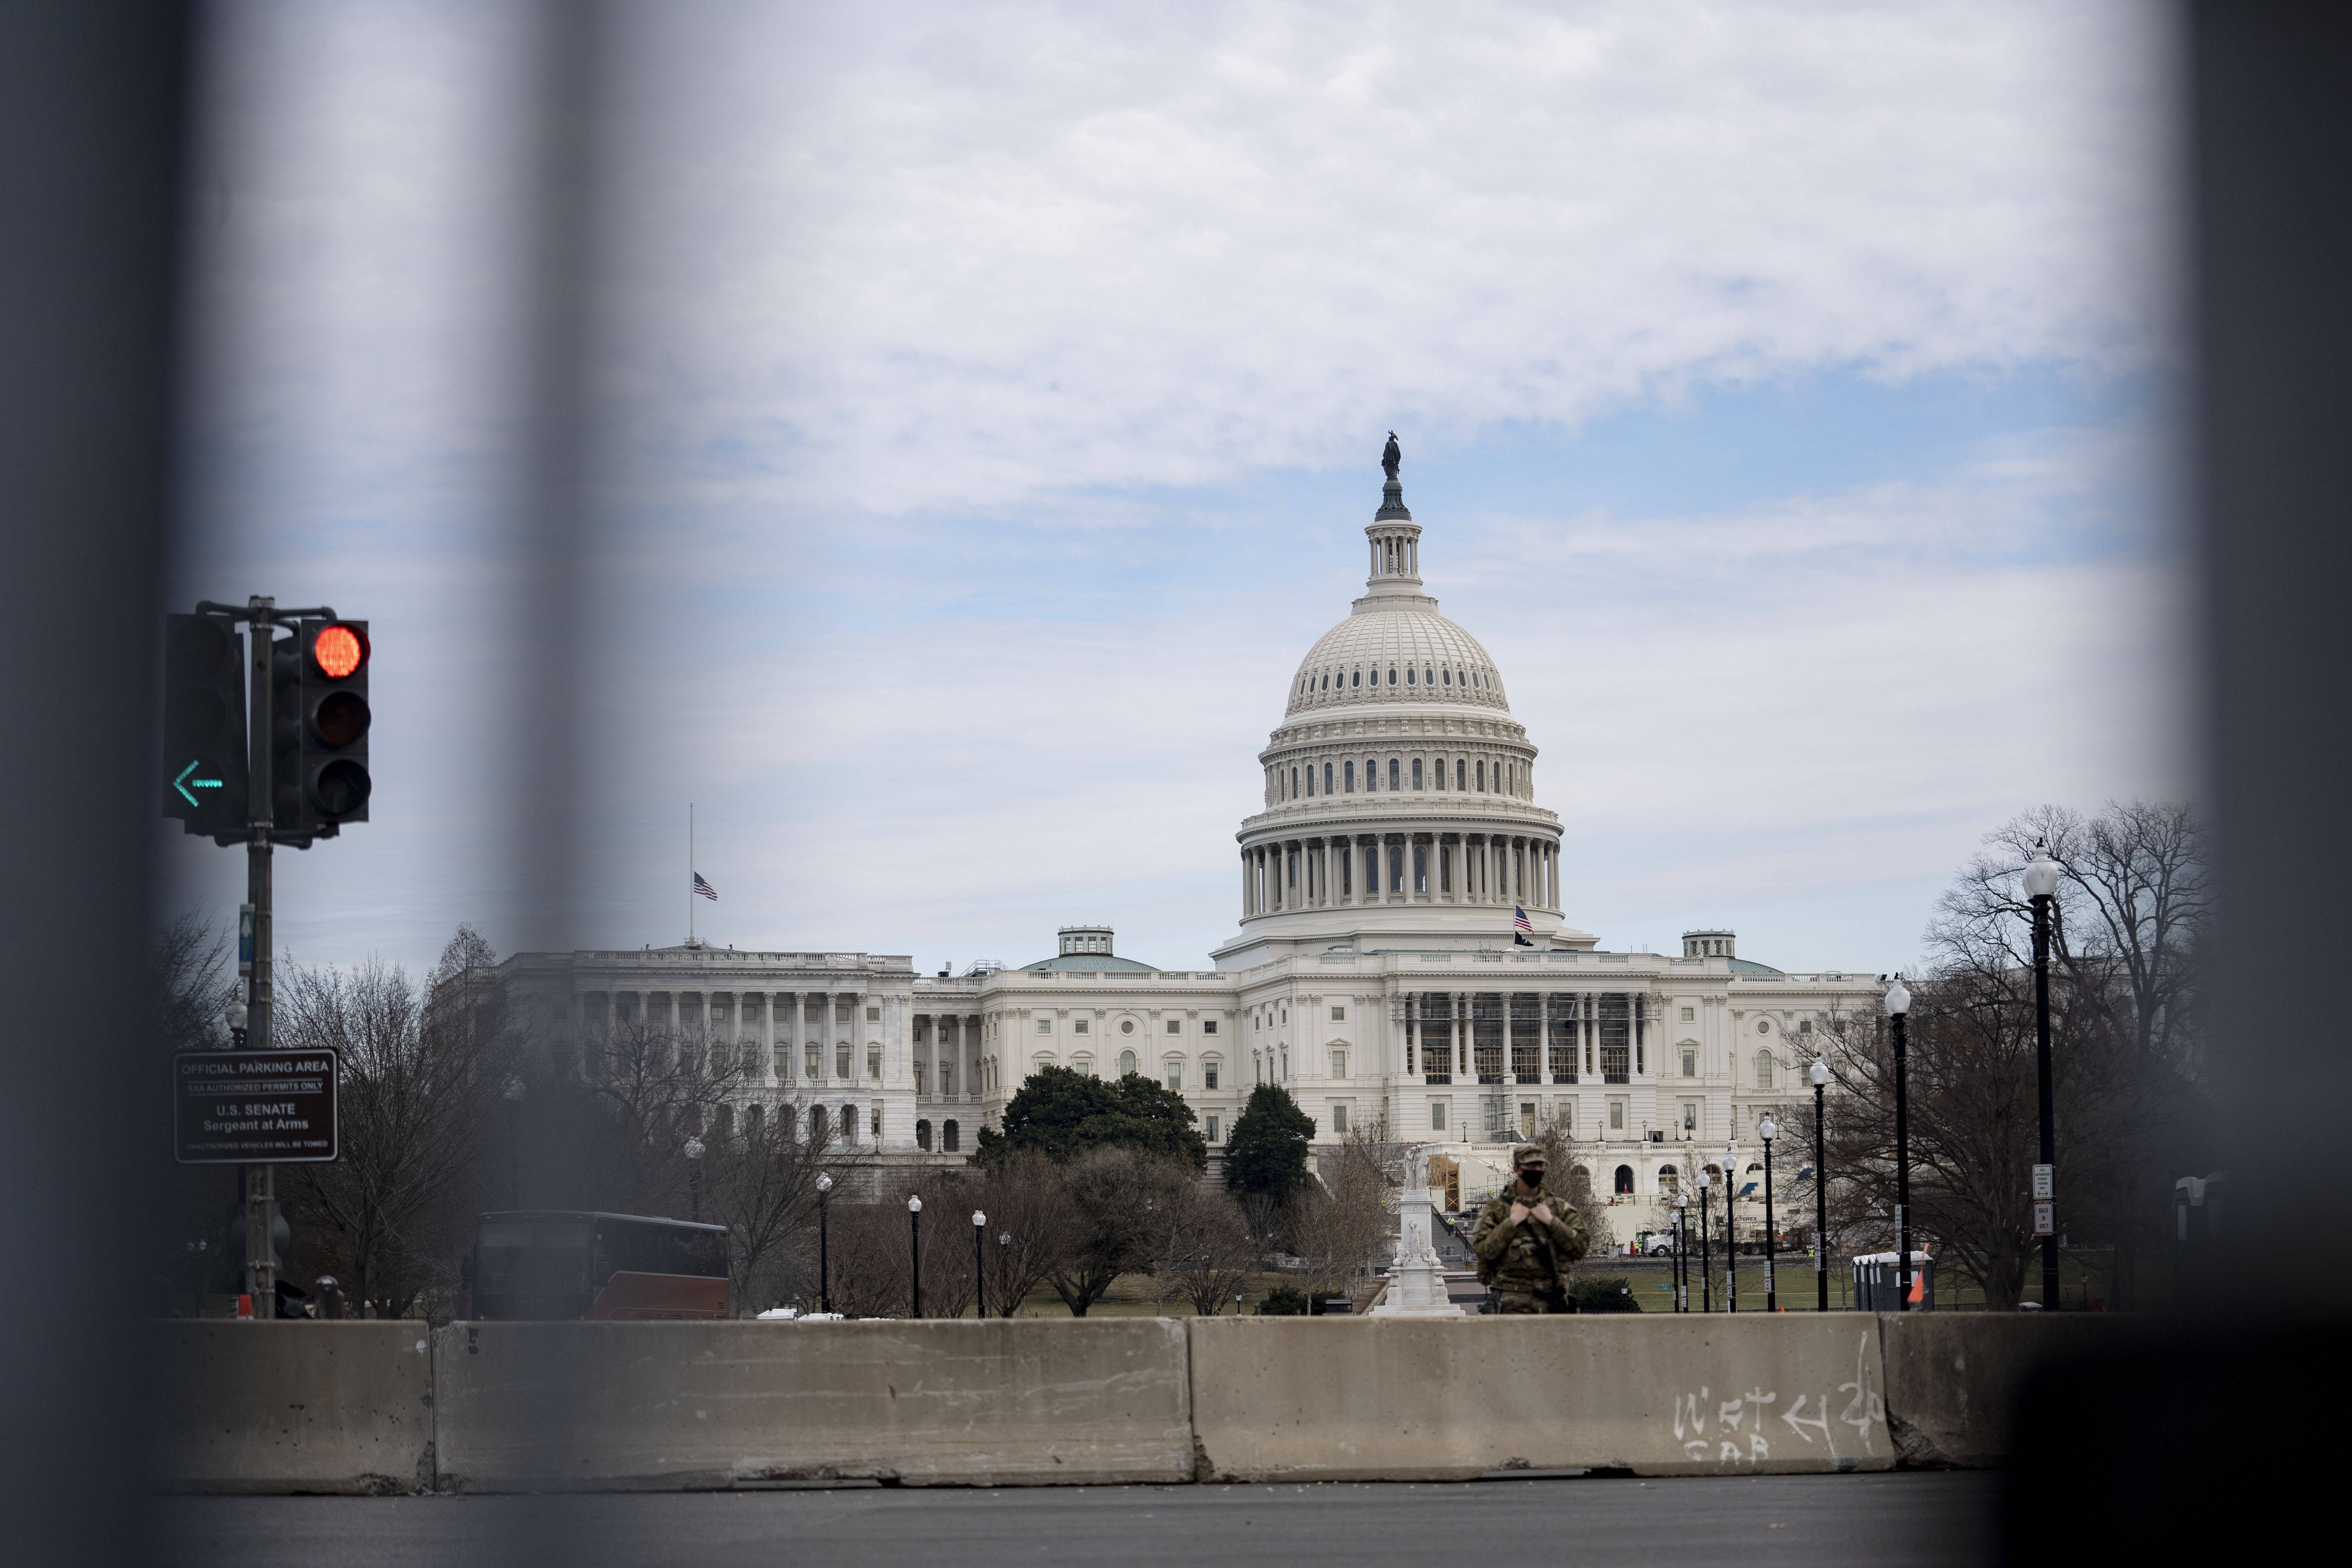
1282	1301
1611	1295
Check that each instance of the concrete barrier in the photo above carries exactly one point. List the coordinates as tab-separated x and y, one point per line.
650	1406
1955	1379
295	1407
1663	1395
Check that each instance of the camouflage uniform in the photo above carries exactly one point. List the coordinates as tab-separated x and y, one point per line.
1510	1258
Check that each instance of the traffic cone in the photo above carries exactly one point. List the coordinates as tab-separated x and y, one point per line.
245	1306
1918	1285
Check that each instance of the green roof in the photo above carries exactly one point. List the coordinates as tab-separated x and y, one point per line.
1092	962
1748	966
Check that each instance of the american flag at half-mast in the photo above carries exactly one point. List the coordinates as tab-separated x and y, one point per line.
1522	929
705	889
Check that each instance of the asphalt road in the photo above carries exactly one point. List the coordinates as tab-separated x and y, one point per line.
1754	1521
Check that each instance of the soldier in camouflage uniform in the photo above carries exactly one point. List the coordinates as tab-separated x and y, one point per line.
1526	1240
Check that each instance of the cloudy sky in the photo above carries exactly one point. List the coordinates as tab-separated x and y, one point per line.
988	401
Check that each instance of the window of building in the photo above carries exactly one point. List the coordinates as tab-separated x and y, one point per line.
1408	676
1327	778
1804	1025
1045	1025
1175	1025
815	1060
1079	1027
1347	777
1396	868
1285	1014
874	1014
923	1135
1210	1027
1419	869
1481	775
1624	1181
1339	1015
783	1061
1690	1116
1213	1130
1689	1014
1670	1180
1310	778
849	1124
1393	774
1763	1069
950	1138
1208	1075
1357	679
1416	772
1175	1073
841	1060
1372	775
1293	783
1427	676
1617	1116
1763	1025
817	1132
1461	773
1339	1120
1083	1066
1493	1111
1690	1062
1437	1116
1392	675
1126	1063
874	1066
1339	1064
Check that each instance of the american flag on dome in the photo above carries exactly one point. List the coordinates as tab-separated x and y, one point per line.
1521	927
705	889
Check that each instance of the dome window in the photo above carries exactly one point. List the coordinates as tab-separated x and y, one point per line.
1393	675
1350	776
1358	679
1429	677
1394	773
1326	683
1445	677
1416	772
1408	676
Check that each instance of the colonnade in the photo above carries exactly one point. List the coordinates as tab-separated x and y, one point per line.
947	1056
786	1037
1525	1037
1364	869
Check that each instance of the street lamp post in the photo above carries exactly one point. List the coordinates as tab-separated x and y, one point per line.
1731	1228
915	1230
979	1264
823	1258
1682	1251
1898	1008
2041	887
235	1015
1005	1270
1821	1077
514	1093
1706	1263
1769	1130
694	1176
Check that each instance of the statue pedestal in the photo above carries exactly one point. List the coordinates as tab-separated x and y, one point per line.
1417	1287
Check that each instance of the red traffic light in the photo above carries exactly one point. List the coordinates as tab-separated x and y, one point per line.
339	650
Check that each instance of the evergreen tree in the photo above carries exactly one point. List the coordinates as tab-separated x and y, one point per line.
1062	1113
1266	1154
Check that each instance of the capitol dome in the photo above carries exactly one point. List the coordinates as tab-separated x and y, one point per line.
1399	804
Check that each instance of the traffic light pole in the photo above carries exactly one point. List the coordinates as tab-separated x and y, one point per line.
261	1034
261	615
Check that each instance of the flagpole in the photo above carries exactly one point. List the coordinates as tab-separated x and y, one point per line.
689	873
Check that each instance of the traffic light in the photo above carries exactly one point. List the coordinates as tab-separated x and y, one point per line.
205	764
320	728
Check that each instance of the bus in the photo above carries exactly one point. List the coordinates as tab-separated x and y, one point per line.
546	1264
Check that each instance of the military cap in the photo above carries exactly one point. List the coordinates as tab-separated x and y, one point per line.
1527	1155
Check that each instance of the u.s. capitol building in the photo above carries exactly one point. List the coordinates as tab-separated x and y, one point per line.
1374	974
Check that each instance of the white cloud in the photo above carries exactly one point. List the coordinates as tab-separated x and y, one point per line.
1104	274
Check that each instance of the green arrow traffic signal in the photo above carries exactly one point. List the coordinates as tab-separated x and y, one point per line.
184	783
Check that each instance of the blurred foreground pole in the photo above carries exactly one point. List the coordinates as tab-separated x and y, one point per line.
2126	1458
90	139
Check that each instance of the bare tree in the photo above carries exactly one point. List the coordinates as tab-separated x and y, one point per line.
1344	1222
416	1079
1031	1228
1570	1173
1205	1252
760	1175
1112	1194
